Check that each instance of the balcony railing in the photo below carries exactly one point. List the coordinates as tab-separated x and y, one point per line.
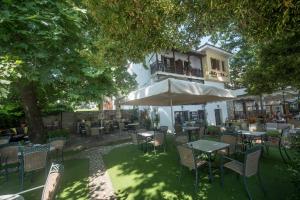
162	67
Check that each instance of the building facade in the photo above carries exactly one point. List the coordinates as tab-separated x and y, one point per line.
209	65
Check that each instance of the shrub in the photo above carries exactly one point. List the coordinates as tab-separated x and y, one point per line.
294	168
58	133
214	130
273	133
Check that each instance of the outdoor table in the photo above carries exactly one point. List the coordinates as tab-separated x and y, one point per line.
133	126
189	130
146	134
208	147
251	135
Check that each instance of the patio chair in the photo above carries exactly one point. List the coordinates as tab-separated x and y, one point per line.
33	159
178	129
58	143
137	141
248	168
4	140
232	141
157	141
50	188
188	159
284	144
8	156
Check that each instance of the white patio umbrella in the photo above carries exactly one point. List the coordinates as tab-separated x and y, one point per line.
172	91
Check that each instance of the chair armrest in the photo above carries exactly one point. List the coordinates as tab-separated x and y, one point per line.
228	158
29	190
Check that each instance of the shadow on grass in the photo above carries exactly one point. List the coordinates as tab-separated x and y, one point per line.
136	175
74	184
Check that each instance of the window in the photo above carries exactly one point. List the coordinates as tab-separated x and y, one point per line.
215	64
223	66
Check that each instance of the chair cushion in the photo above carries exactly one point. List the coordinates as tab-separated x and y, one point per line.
235	166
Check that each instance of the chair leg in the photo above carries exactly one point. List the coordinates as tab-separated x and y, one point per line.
261	184
181	172
21	174
222	172
6	173
196	181
246	188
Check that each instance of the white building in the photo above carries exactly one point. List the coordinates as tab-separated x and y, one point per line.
208	65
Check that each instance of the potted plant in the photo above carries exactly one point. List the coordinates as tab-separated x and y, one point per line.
273	137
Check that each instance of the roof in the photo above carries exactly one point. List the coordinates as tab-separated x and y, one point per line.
212	47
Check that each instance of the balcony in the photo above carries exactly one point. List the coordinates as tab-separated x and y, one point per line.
178	68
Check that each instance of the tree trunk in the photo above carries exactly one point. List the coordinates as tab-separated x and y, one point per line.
32	112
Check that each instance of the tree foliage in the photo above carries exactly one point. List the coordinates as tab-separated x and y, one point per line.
50	50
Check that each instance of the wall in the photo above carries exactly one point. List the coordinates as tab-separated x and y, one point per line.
208	69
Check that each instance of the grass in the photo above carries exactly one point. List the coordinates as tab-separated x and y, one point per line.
136	175
73	186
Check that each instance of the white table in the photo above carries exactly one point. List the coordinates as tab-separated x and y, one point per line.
146	134
208	147
251	135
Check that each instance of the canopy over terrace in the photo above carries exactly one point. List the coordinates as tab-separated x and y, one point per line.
171	92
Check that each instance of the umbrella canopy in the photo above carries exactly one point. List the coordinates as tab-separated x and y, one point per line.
176	92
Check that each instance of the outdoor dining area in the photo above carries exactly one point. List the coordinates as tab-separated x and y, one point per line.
240	150
26	159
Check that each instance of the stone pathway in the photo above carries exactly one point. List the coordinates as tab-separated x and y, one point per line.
99	182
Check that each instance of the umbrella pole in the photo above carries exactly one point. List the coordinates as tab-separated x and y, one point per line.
172	116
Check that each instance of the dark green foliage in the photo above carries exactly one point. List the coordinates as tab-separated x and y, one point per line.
54	109
11	115
294	168
273	133
213	130
59	133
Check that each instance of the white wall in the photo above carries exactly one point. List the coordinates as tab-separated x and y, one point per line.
143	78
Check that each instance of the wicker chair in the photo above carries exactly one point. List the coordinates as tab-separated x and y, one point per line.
8	156
4	140
249	168
33	159
50	187
178	129
58	143
137	141
157	141
232	141
188	159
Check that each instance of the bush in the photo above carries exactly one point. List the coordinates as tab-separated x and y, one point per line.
273	133
294	168
58	133
214	130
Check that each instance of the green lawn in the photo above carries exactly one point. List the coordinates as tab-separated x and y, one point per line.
136	175
74	183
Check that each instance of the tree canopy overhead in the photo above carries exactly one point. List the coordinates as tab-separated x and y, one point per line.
50	51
